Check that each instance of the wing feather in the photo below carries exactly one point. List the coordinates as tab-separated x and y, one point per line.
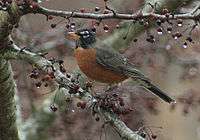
115	61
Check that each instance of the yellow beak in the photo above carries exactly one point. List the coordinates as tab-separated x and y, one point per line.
72	36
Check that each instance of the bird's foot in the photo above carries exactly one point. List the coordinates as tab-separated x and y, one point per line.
111	87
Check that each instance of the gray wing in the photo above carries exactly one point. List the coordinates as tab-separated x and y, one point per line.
115	61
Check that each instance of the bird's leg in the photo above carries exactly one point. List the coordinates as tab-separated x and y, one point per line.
111	87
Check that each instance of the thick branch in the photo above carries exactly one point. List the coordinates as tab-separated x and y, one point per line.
8	127
120	126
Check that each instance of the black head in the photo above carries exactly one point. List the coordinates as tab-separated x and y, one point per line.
87	37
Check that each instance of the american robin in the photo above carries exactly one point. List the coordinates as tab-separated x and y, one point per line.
106	65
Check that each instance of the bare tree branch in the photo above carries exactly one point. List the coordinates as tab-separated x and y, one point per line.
134	16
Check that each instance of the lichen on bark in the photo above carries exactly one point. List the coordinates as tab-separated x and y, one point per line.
8	129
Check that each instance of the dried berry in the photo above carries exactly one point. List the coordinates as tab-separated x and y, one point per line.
53	25
121	103
60	62
158	22
189	39
115	95
167	15
89	84
10	26
68	75
141	22
179	22
93	29
150	39
76	88
73	80
73	25
117	26
50	17
143	134
165	11
83	105
146	24
154	136
176	35
106	28
78	104
67	26
46	85
185	45
159	31
53	108
135	40
106	11
97	119
62	69
124	37
38	84
34	75
169	29
97	9
34	5
51	74
82	10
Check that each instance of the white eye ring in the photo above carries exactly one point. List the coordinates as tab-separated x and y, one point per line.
86	36
86	32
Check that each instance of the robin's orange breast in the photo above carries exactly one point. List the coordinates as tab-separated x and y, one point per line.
86	59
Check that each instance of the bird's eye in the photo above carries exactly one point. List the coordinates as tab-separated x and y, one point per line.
84	33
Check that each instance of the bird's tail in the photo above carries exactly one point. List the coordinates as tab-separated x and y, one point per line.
145	82
155	90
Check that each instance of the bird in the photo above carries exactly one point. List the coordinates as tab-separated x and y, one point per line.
102	63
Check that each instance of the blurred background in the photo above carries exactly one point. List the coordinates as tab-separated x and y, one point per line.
168	62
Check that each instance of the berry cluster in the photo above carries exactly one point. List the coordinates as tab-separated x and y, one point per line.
82	105
40	78
113	102
23	4
147	133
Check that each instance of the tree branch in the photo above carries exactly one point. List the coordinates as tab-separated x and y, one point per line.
7	110
134	16
8	128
